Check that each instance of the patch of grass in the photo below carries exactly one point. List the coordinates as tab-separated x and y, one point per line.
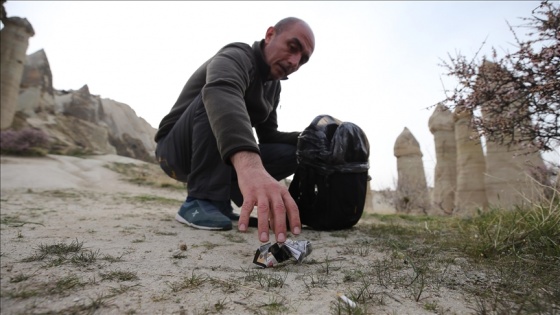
145	175
276	305
93	306
312	280
482	256
165	233
59	287
112	259
154	200
67	283
123	289
84	258
61	253
192	282
266	279
61	194
119	276
140	240
15	221
45	250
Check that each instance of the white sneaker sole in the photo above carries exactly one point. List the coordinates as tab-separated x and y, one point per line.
182	220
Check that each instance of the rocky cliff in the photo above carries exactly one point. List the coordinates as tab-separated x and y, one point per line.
76	121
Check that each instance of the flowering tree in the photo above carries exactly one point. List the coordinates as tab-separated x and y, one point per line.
518	95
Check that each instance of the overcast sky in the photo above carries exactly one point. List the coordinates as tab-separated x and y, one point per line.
376	64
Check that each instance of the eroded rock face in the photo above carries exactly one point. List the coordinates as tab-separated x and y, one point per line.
412	190
36	89
123	123
514	173
15	40
471	191
513	176
78	122
83	105
442	126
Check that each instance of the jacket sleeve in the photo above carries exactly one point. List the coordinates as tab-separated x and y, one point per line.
267	132
228	77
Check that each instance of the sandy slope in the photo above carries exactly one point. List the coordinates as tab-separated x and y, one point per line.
61	199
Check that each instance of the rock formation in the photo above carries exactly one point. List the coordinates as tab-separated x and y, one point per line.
412	190
36	87
513	176
125	125
15	40
78	122
442	126
471	192
513	173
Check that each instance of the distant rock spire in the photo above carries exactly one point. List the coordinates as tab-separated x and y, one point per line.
412	190
442	126
15	40
471	191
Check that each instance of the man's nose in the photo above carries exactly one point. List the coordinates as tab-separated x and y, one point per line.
294	61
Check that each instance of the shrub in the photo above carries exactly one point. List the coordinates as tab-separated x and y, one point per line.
29	142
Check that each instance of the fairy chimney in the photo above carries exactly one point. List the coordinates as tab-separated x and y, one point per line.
15	40
513	172
470	194
442	126
412	190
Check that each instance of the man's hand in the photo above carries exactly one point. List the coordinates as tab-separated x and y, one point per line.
272	199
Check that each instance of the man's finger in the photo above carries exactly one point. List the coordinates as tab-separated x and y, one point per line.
279	222
262	212
246	210
293	213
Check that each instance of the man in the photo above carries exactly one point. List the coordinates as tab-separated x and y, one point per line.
207	138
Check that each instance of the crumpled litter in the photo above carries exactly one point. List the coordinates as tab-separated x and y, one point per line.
270	255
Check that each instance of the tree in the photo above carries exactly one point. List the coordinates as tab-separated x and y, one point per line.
518	95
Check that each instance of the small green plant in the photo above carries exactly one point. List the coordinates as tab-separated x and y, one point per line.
111	258
84	258
266	279
64	284
276	305
192	282
165	233
119	276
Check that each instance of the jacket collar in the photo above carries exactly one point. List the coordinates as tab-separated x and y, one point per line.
264	68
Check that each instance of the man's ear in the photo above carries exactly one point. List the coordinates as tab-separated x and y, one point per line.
270	32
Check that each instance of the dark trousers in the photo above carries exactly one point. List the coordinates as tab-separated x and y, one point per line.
189	154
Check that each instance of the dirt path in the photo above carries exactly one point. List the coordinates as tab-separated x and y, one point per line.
77	239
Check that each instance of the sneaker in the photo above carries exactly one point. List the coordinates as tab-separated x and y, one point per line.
227	210
203	214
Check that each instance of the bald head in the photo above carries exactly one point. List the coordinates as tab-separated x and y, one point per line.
288	46
287	23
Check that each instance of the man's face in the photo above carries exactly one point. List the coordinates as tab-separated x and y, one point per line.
289	50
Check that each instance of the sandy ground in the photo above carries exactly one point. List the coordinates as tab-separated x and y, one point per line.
178	270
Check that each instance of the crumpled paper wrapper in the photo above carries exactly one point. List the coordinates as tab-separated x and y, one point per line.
270	255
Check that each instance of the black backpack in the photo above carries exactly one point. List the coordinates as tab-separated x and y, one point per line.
330	182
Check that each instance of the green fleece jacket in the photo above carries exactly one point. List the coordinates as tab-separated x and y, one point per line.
237	96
